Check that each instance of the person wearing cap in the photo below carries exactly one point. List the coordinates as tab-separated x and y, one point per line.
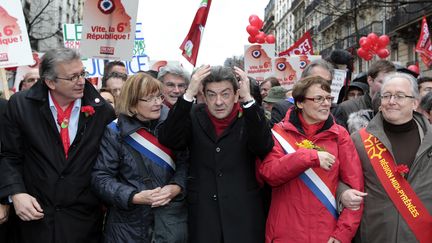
275	94
355	90
29	79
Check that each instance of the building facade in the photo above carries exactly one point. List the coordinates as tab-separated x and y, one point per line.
339	24
44	19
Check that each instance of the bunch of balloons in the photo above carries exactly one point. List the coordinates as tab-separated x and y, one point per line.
255	35
373	45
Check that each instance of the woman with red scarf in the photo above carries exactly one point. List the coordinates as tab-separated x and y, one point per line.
310	156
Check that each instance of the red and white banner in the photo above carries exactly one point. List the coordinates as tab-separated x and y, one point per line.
191	43
424	45
302	46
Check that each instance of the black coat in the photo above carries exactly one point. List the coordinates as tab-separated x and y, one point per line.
34	163
121	171
224	200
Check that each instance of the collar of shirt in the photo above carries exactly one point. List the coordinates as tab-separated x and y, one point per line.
74	118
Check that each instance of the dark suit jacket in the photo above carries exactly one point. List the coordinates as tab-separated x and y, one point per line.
34	162
225	204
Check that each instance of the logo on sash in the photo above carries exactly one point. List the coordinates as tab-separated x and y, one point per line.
310	177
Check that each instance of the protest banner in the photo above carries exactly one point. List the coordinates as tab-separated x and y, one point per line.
14	42
108	29
288	69
258	61
424	44
72	34
302	46
337	82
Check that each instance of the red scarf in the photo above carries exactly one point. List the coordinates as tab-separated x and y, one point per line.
221	124
309	129
63	118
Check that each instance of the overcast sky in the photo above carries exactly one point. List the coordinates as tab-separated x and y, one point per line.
166	24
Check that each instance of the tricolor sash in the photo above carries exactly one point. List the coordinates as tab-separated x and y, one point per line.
314	180
148	145
398	188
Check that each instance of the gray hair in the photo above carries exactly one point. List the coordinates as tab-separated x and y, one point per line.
47	69
318	63
410	78
173	70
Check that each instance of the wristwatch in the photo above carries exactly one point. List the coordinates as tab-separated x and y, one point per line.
6	200
248	103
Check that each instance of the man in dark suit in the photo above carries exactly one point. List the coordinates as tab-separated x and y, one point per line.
224	138
53	132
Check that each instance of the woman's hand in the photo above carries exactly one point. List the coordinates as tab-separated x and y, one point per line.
326	160
4	213
145	196
164	196
352	199
333	240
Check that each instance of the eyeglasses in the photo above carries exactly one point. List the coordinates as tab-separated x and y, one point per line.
153	99
321	99
76	77
171	85
427	89
396	97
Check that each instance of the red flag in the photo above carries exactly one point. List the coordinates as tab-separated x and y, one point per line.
302	46
424	45
191	43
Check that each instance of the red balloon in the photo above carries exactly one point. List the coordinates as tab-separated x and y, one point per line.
383	53
362	53
270	39
373	38
368	57
383	41
256	21
252	16
252	39
414	68
365	43
252	30
260	38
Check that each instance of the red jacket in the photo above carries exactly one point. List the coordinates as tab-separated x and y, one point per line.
296	215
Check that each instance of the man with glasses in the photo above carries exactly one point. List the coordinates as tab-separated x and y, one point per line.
224	138
396	153
175	81
53	133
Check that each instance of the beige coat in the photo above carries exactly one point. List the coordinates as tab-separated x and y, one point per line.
381	221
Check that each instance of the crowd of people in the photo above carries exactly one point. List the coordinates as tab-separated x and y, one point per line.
215	156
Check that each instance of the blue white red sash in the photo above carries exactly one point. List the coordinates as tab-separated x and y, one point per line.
311	178
148	145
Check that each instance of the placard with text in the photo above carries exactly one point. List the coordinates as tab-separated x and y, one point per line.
108	29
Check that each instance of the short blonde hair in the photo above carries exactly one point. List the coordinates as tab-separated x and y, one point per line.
136	87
